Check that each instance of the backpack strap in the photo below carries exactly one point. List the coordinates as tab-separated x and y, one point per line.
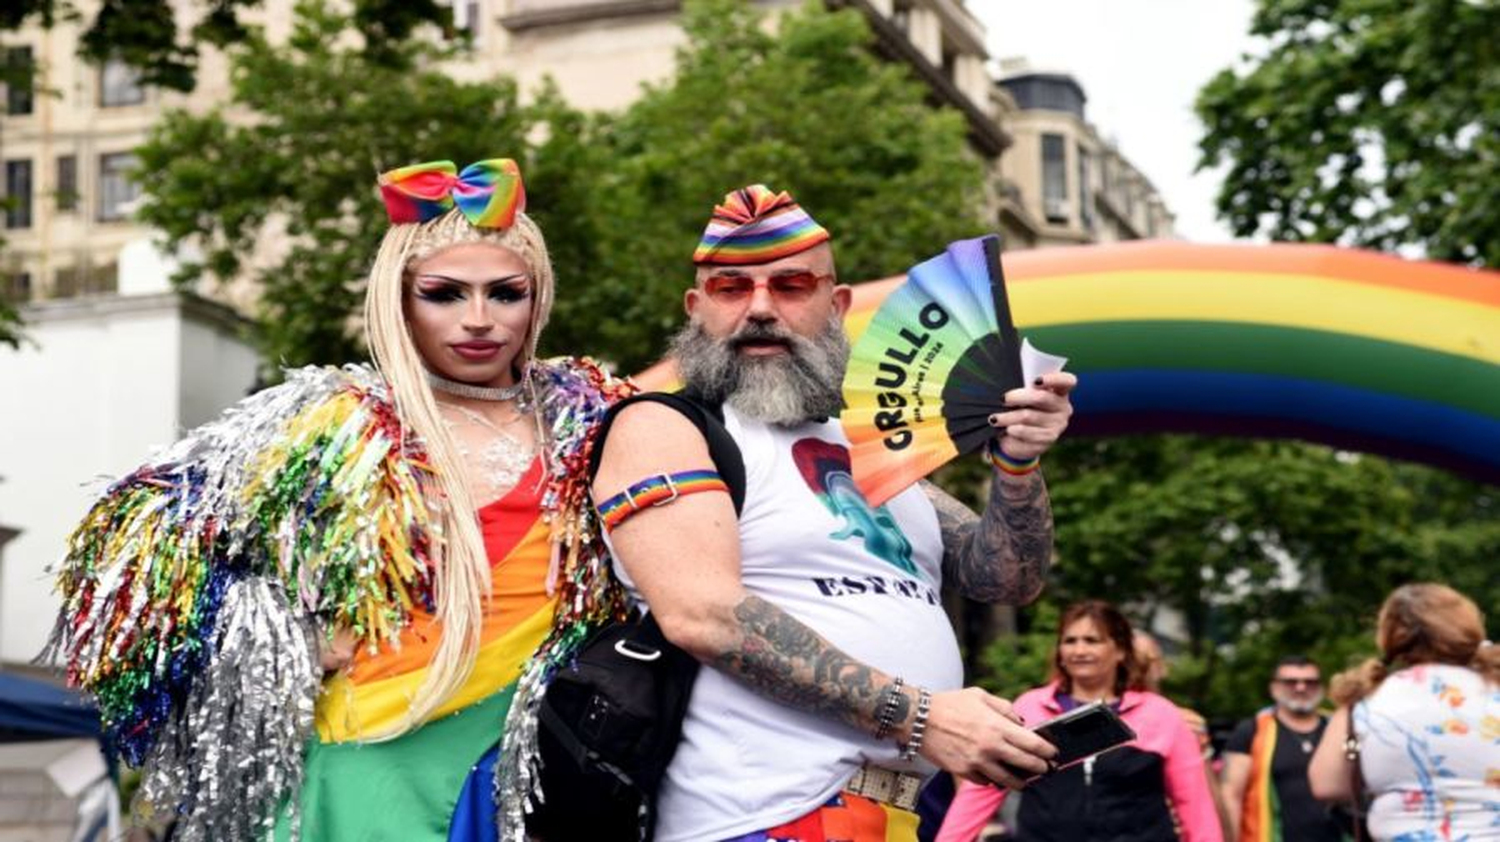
707	417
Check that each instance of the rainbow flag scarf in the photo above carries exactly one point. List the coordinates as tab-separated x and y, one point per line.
1261	817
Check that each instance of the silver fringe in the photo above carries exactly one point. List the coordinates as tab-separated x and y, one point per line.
232	761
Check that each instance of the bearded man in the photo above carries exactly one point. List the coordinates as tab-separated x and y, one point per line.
1265	764
831	684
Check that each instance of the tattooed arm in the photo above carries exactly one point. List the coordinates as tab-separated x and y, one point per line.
783	659
684	559
1002	556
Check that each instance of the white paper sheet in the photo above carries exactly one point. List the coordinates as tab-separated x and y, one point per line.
1035	363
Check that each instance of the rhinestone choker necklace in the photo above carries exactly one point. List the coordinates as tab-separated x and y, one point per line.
479	393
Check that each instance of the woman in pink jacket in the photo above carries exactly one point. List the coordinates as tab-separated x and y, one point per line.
1153	789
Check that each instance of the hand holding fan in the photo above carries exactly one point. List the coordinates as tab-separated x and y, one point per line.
934	364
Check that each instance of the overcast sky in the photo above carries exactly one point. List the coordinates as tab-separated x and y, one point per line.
1141	63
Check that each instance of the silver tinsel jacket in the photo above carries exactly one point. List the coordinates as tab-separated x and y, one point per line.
195	587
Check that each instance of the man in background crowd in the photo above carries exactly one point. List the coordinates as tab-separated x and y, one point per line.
1265	763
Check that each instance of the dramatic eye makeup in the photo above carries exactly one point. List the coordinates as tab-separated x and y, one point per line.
442	289
511	291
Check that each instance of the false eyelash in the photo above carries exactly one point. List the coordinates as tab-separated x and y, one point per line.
510	294
441	295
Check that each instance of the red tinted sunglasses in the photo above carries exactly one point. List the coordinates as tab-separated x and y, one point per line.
731	289
1299	682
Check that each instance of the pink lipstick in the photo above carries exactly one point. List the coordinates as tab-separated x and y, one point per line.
476	350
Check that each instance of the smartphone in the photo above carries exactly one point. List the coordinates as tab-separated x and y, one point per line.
1078	735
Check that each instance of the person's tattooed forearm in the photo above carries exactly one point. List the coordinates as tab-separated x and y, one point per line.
778	656
1002	556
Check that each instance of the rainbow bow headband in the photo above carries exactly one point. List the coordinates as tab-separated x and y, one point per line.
757	225
489	193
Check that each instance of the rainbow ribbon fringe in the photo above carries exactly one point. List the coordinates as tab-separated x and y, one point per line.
216	564
575	396
195	589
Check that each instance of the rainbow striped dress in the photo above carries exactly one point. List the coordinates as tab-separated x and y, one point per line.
408	788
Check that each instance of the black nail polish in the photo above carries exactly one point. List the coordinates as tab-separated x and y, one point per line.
1037	382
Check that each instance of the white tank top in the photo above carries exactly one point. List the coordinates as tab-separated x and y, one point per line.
865	578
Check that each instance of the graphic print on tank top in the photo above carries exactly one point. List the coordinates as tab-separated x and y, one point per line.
826	469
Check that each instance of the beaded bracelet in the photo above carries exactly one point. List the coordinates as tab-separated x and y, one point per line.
918	725
996	456
885	722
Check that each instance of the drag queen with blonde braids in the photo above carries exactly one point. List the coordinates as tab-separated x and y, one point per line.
319	615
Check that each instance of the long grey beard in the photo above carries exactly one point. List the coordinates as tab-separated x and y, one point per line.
783	389
1302	708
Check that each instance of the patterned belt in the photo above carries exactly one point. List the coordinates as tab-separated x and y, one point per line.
898	789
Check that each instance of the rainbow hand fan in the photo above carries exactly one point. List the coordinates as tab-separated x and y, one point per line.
934	364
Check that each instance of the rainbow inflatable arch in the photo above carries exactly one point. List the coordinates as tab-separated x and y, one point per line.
1343	347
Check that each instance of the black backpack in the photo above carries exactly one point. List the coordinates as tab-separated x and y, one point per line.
610	721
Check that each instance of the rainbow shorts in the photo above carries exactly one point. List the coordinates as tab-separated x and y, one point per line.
844	818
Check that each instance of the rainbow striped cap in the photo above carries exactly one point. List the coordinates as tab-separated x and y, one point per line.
756	225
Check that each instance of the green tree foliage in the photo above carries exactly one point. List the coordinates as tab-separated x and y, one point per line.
10	320
807	108
286	196
1261	548
163	38
10	325
1366	122
1369	122
622	198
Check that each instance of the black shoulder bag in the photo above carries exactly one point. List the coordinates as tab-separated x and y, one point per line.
610	721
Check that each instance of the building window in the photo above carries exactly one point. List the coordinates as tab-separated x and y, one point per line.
120	84
82	279
466	15
68	281
1054	179
18	194
117	191
103	279
67	183
1085	197
901	16
18	81
15	287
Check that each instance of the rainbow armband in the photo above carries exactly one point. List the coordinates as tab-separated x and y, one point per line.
657	491
994	455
